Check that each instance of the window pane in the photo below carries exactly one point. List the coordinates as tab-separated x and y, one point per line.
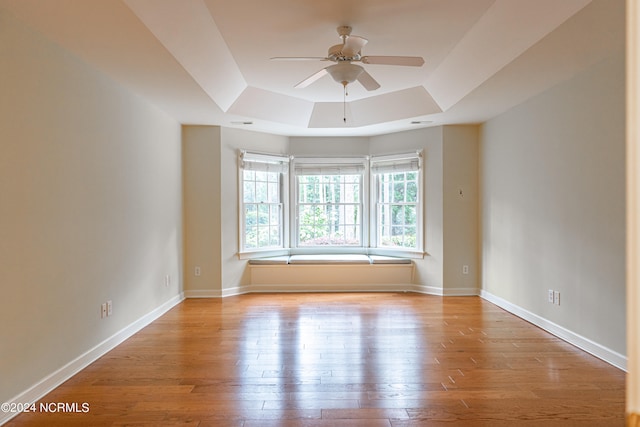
261	176
412	192
352	193
263	236
410	215
329	210
273	192
251	217
250	227
351	214
385	191
275	215
249	195
262	209
397	209
261	191
410	237
397	215
251	237
398	192
263	214
274	236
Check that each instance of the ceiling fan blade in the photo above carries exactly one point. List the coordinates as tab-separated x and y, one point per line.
312	78
367	81
299	58
353	45
412	61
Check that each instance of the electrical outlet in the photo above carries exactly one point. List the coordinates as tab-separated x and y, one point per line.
550	296
109	308
197	271
465	269
167	280
103	310
556	297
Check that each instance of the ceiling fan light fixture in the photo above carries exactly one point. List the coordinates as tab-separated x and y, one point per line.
345	72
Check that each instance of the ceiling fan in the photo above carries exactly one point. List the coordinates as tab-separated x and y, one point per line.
344	71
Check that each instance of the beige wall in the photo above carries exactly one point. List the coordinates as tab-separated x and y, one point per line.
329	146
633	212
553	203
90	208
460	205
202	227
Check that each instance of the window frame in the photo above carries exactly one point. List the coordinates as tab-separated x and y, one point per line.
401	163
369	193
329	166
269	163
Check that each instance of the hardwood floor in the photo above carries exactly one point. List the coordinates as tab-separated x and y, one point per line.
378	359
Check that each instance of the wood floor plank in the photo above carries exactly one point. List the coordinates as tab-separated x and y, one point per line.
347	359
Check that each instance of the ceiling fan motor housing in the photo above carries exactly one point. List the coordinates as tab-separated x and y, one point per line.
336	54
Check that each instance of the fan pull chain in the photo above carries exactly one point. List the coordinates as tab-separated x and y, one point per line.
344	104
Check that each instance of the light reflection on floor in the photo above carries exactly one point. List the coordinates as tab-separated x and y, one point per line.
304	349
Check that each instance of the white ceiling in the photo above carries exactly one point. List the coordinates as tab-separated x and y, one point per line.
208	61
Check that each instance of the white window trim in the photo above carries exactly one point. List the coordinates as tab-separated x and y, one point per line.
289	197
266	162
389	163
330	163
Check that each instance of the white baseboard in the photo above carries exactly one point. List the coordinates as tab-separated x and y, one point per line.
50	382
613	358
202	293
461	292
446	292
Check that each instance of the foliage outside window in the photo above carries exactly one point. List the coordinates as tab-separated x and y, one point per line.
397	209
263	210
398	218
328	202
329	210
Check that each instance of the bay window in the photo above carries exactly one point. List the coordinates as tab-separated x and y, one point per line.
353	205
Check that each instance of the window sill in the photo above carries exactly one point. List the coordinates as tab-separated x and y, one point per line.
400	253
263	254
330	259
392	253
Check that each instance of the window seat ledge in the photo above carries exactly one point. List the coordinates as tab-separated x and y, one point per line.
274	260
327	259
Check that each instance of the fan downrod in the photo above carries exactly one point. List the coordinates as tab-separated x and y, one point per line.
344	31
